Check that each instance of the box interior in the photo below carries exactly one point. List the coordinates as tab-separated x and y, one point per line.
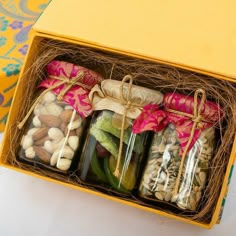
115	66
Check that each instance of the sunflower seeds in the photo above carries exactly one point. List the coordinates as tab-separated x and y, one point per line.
163	164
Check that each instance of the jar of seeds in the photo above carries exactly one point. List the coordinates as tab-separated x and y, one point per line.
181	148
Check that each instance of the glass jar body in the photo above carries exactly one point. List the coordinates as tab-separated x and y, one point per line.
162	168
100	154
53	134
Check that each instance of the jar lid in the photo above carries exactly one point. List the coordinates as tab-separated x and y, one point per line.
74	84
107	96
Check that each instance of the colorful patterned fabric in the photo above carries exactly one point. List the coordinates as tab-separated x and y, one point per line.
77	95
16	20
154	119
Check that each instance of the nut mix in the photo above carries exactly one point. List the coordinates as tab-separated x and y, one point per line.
52	139
59	115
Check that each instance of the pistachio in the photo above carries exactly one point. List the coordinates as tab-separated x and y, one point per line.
202	176
193	204
182	205
146	178
174	198
168	196
159	195
145	185
161	178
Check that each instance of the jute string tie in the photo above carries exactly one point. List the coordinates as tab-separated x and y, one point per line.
127	105
197	119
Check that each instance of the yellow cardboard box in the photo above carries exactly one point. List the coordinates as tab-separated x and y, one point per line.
192	35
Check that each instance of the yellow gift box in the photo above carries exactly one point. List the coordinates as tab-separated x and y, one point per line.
16	20
191	35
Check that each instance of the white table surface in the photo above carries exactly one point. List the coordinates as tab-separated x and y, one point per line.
33	207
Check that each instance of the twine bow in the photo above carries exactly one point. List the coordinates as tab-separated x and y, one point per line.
69	83
196	118
127	104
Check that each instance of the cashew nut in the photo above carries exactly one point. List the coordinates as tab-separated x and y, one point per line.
30	153
55	134
73	142
66	152
63	164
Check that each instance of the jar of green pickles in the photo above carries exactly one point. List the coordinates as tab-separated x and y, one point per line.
112	153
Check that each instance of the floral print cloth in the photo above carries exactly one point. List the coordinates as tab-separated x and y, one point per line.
16	20
155	119
77	95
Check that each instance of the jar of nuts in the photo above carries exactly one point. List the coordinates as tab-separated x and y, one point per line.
55	127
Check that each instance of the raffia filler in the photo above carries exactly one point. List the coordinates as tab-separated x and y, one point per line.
163	78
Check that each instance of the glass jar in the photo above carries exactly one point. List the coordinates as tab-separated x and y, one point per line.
181	149
99	157
113	152
53	135
55	129
162	168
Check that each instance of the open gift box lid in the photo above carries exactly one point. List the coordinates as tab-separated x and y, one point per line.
197	35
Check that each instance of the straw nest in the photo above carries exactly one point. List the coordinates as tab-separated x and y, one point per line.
153	75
